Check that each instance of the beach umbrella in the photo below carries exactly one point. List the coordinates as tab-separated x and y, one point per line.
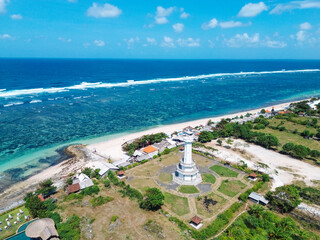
18	214
5	227
10	216
18	219
0	229
20	211
9	224
0	222
15	222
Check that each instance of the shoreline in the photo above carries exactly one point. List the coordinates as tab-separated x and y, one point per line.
112	147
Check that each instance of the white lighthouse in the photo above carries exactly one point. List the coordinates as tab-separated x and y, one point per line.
187	172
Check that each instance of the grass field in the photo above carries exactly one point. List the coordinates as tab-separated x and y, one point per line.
202	210
178	205
142	184
223	171
188	189
12	230
291	126
231	187
165	177
285	137
209	178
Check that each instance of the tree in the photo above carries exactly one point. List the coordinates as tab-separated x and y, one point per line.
314	153
46	188
263	111
219	141
300	151
288	147
265	177
153	199
35	206
285	198
256	210
205	136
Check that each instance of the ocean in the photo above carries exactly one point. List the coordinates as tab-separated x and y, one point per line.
46	104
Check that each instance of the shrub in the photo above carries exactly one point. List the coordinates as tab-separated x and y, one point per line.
107	183
153	199
98	201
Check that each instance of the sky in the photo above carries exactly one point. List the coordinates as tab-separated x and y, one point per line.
188	29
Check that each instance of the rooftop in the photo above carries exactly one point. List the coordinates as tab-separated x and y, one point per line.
43	228
196	220
73	188
149	149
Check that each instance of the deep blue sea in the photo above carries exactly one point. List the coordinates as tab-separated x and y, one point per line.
46	104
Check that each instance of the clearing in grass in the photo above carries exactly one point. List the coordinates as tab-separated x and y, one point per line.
188	189
231	187
178	205
223	171
208	178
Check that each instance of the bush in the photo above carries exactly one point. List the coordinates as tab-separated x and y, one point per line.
114	218
288	147
107	183
205	136
265	177
98	201
70	229
153	199
90	191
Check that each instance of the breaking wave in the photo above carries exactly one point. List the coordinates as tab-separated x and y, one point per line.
83	86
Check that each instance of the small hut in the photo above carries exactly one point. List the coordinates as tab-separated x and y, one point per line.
196	222
42	229
252	176
120	174
73	188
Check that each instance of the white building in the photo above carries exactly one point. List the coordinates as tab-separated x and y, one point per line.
187	172
83	180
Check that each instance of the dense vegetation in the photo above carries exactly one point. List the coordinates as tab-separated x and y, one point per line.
286	198
261	224
226	129
144	141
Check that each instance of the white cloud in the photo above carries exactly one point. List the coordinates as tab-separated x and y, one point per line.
232	24
189	42
103	11
151	41
5	36
131	41
307	4
167	42
87	45
301	36
99	43
228	24
184	15
243	39
3	4
274	44
16	17
305	26
178	27
162	14
65	39
211	24
252	9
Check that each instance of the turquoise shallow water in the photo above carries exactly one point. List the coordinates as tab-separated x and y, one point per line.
47	104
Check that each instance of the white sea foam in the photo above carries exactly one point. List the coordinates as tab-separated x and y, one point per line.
35	101
12	104
86	85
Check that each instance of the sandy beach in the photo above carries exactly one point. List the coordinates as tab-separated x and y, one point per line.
108	149
112	148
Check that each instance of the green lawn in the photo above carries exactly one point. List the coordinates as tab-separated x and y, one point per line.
178	205
188	189
165	177
231	187
209	178
12	230
223	171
